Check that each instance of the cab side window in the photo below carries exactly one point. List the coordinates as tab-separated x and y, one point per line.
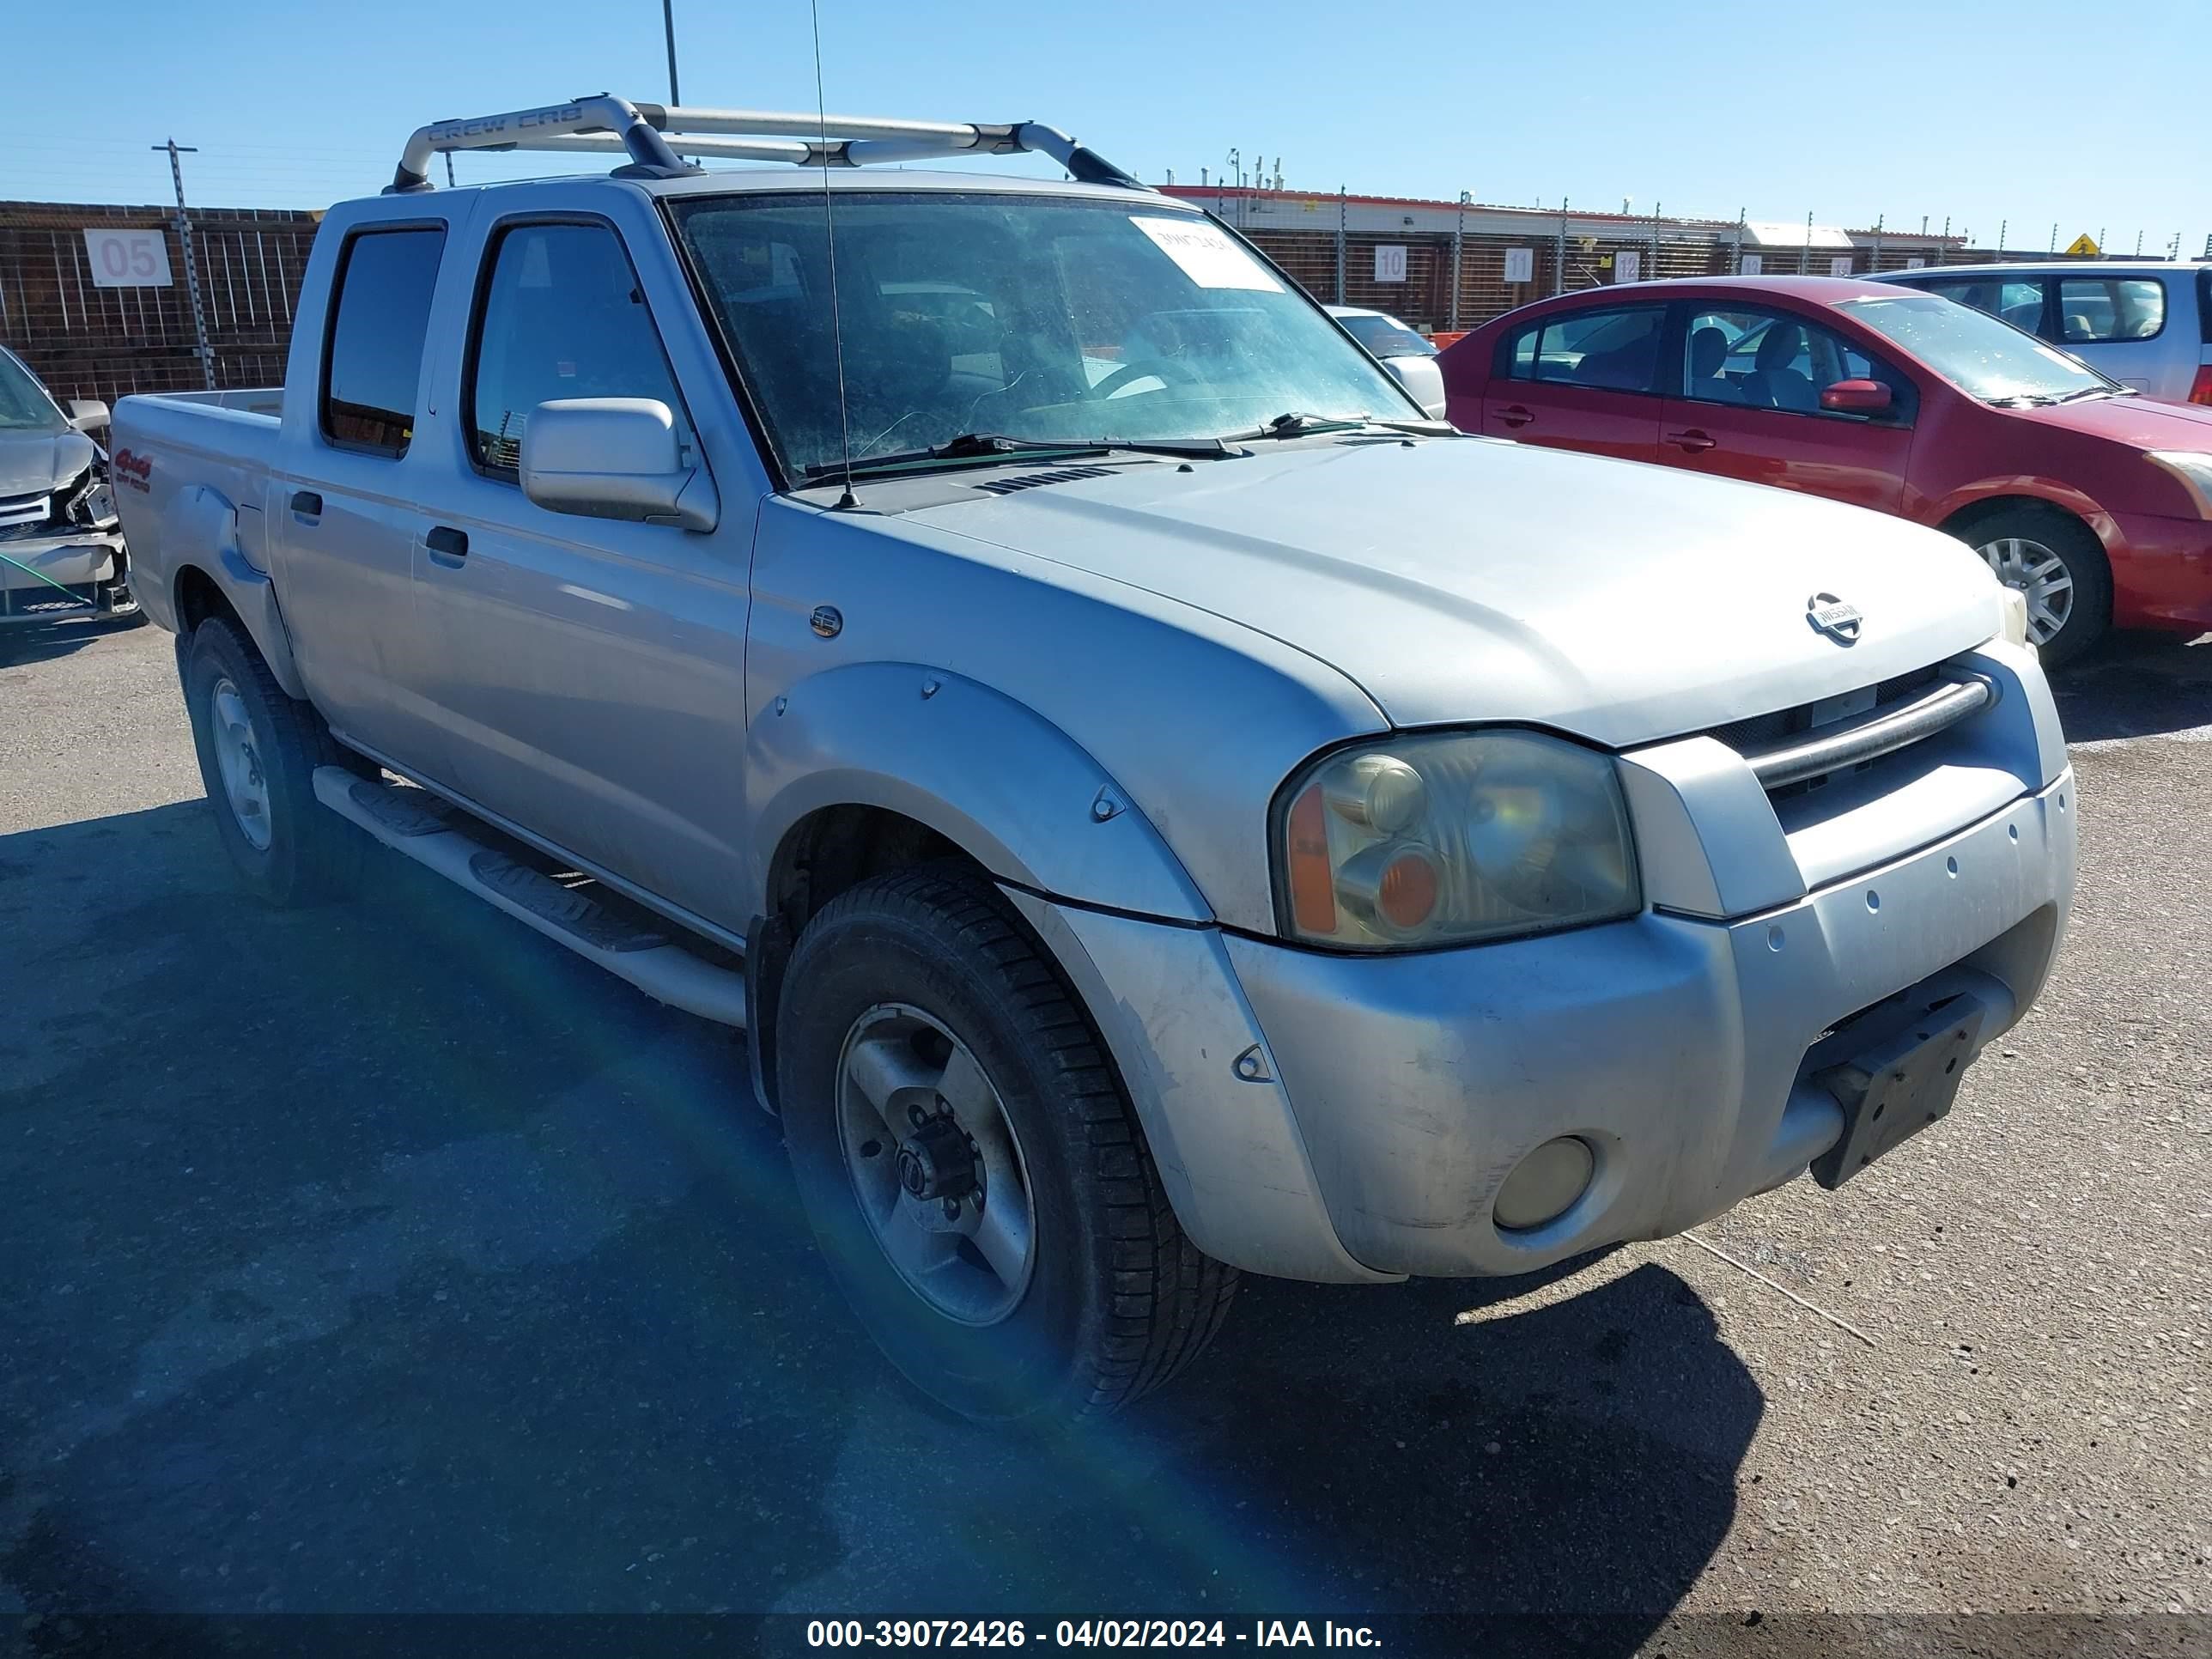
562	316
373	357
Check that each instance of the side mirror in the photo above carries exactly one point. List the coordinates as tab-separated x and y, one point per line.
87	415
614	457
1421	377
1856	398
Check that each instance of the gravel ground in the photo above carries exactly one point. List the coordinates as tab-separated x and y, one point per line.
386	1258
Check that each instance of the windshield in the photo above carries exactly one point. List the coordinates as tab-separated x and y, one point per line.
1985	357
1386	336
24	407
1038	318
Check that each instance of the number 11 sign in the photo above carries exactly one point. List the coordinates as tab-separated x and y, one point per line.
128	259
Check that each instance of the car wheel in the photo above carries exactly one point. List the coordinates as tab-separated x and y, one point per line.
258	750
2055	562
970	1164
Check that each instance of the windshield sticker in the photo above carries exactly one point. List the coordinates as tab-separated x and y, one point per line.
1207	258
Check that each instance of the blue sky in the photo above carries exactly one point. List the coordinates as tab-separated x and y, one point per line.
2025	111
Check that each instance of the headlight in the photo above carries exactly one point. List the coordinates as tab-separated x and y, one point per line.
1431	840
2193	469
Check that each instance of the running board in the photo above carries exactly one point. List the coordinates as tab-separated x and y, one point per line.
434	834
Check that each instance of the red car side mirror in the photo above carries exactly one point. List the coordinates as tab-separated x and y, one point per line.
1856	398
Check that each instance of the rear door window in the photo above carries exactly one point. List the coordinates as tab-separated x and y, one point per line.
1613	349
2105	310
379	319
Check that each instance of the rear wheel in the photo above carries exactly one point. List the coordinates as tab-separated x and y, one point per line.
258	750
2053	561
969	1164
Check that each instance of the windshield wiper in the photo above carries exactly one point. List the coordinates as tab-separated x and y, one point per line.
1296	423
2096	392
973	447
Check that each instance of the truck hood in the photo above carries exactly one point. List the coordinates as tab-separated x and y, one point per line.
1458	579
32	463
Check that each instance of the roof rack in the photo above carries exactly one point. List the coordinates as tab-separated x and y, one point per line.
655	137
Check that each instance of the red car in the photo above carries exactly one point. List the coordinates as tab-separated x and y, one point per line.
2095	503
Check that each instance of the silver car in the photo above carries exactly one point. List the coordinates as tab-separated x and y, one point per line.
2147	323
61	544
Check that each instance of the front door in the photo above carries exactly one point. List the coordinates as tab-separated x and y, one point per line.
1584	379
1749	408
590	671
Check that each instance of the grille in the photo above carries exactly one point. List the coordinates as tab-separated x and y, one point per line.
1763	730
17	510
1032	480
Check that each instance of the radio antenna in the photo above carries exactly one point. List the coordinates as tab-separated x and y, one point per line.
829	232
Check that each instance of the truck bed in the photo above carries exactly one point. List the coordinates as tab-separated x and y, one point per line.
190	471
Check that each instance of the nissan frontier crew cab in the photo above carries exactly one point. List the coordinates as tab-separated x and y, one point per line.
1160	805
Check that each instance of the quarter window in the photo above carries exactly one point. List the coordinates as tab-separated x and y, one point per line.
380	319
563	317
2094	310
1613	350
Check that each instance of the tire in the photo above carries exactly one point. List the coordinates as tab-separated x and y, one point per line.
287	847
2019	544
916	969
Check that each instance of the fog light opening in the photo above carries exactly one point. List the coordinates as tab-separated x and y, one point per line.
1544	1185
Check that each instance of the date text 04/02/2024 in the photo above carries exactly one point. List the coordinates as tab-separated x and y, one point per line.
1084	1633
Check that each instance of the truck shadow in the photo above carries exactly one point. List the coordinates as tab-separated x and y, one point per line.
387	1258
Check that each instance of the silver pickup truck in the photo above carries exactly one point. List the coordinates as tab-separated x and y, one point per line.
1160	805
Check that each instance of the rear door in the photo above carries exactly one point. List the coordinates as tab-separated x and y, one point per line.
341	505
589	672
1584	379
1748	406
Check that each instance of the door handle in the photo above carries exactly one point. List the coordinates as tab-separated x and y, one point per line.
308	503
1516	415
446	545
1691	441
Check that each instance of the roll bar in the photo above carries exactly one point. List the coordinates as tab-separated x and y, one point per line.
656	137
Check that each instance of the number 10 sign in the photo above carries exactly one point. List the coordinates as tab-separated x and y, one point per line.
128	259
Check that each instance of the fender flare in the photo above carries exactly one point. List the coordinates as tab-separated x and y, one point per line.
2061	497
201	517
987	772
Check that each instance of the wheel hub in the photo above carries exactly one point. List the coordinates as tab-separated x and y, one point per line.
238	759
2040	576
937	1162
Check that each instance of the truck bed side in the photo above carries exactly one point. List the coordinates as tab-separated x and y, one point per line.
191	472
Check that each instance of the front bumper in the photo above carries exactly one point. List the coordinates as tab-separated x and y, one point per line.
79	562
2161	572
1676	1048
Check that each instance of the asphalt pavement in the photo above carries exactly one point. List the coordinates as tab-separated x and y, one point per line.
385	1258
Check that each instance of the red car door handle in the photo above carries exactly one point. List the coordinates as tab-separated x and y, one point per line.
1514	415
1692	440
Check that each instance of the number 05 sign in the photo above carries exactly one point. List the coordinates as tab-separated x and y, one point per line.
128	259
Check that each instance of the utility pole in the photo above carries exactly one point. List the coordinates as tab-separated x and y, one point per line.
192	264
1459	248
668	28
1340	209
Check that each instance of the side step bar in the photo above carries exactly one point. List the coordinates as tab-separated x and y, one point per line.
421	826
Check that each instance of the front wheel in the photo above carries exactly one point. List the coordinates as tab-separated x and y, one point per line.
2054	562
969	1164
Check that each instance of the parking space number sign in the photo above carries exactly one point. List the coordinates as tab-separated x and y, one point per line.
1389	264
1520	265
128	259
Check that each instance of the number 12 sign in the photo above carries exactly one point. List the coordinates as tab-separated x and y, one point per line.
128	259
